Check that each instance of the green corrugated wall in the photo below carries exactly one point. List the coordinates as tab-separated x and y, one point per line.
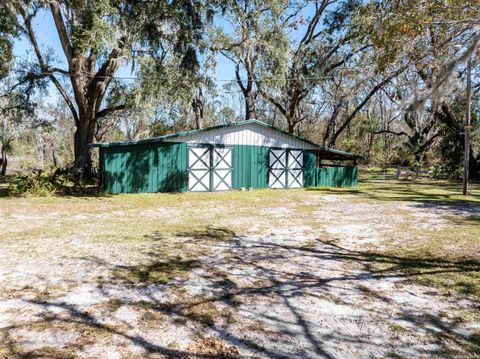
313	176
309	168
337	176
163	167
130	169
250	169
145	168
172	168
250	166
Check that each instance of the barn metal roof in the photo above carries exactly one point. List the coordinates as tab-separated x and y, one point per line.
327	153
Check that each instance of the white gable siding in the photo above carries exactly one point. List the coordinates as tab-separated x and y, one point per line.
247	134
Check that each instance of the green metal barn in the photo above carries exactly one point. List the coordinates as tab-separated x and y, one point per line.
249	154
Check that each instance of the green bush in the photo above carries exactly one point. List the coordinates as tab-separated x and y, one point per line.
41	185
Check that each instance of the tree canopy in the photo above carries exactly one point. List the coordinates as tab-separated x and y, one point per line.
385	79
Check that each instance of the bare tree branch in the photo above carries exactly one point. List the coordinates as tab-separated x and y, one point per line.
43	66
62	31
400	133
364	102
109	110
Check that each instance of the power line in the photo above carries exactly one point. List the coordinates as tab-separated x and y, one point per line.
218	80
306	78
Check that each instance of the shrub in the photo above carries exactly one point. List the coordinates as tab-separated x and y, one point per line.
39	184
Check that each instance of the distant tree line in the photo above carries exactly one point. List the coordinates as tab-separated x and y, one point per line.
383	79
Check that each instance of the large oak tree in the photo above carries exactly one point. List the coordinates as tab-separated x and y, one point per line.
97	38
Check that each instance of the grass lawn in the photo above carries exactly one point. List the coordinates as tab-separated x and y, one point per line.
386	269
454	242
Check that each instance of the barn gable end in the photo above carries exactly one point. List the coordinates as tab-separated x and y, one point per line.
248	133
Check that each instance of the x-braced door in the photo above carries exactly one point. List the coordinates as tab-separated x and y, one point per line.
294	169
199	169
286	168
277	171
209	168
221	168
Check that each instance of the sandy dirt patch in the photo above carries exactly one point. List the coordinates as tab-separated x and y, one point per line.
304	288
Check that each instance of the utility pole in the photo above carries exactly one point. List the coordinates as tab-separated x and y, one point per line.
466	160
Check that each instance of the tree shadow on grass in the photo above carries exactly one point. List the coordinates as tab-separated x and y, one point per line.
449	203
154	273
398	194
270	280
376	267
82	319
459	213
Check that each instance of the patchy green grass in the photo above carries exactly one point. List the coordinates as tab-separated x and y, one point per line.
45	352
135	214
407	190
447	256
113	304
197	309
452	276
137	219
421	232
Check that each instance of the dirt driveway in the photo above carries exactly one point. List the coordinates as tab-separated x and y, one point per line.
298	274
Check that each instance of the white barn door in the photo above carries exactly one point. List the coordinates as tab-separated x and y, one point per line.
209	169
222	169
285	168
199	169
295	169
277	169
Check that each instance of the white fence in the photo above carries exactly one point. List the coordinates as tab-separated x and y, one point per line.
401	172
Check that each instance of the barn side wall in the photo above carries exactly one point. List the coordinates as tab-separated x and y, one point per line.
337	176
310	168
130	168
145	168
172	168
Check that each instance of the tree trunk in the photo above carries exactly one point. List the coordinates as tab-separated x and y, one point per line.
291	126
468	118
332	123
44	153
83	137
249	105
247	89
54	157
473	165
197	106
3	164
419	155
371	138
